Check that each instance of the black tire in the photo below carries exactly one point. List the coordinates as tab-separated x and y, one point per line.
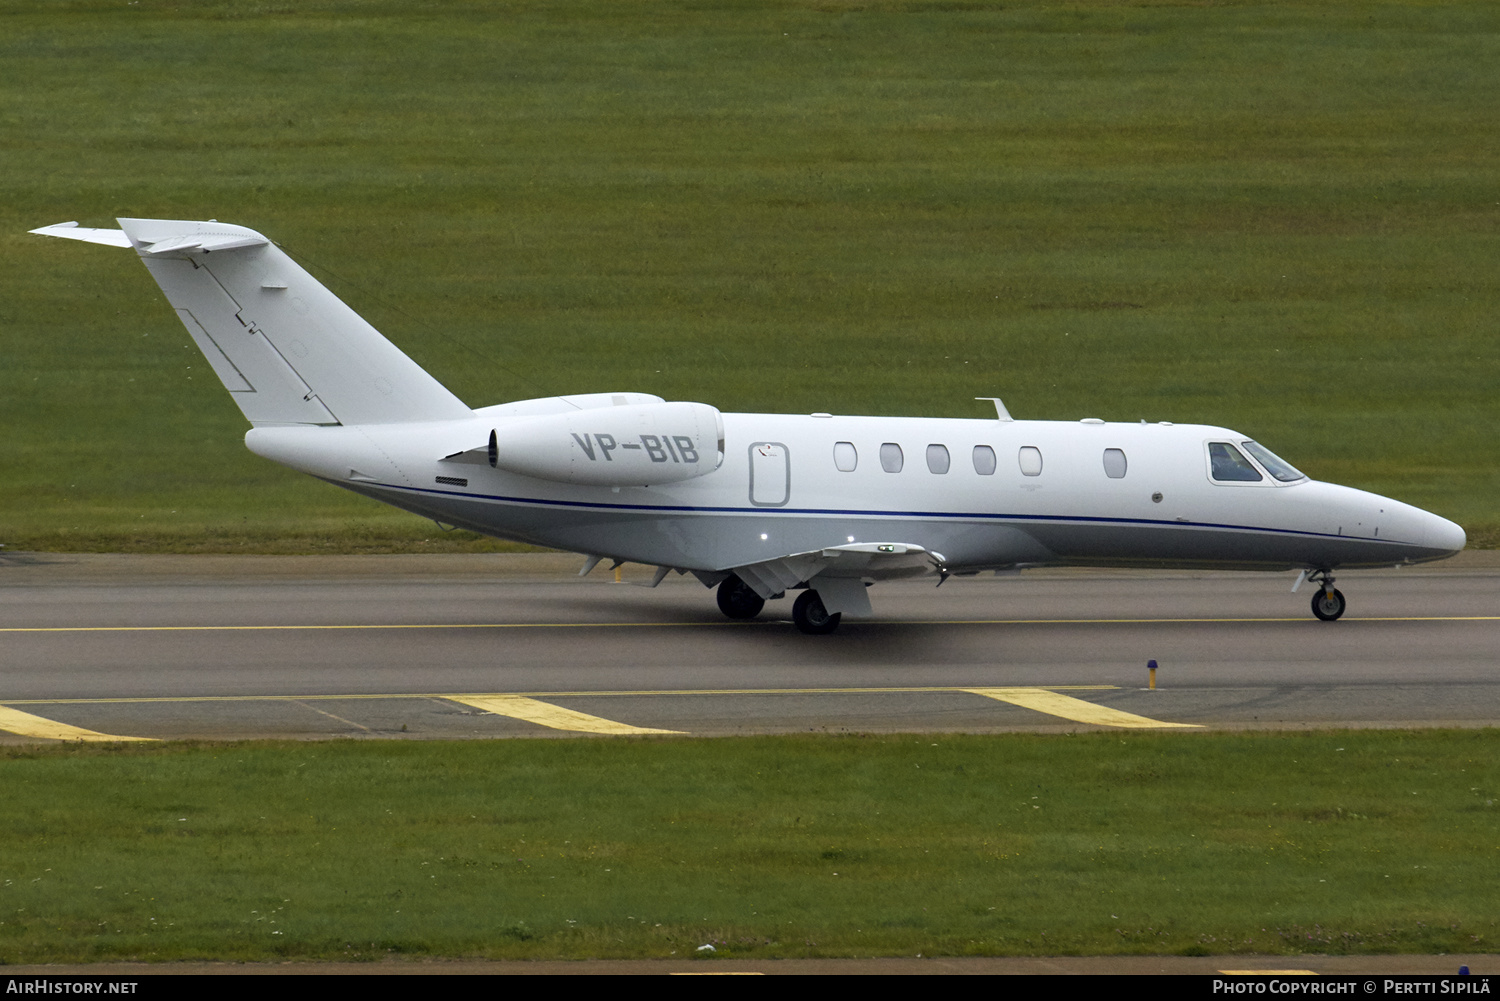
1326	606
737	600
811	617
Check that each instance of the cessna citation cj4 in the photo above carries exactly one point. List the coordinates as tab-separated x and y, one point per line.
753	504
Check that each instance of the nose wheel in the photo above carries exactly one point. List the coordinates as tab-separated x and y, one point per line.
1328	603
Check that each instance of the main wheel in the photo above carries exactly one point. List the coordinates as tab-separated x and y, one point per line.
810	615
737	600
1328	605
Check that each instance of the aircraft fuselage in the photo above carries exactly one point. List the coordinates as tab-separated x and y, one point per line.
779	490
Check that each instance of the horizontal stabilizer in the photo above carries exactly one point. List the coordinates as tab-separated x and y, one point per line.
206	244
183	238
73	231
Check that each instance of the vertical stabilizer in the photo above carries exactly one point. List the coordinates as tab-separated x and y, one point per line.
288	350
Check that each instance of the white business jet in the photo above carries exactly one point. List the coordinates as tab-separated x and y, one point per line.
753	504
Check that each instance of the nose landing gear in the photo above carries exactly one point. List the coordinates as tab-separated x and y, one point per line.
1328	603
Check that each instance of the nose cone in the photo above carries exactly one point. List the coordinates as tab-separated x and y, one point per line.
1387	530
1444	535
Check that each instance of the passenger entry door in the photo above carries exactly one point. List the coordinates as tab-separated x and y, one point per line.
770	474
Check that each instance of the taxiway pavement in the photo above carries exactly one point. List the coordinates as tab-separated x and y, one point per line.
163	647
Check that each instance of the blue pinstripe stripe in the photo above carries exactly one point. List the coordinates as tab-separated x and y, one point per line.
949	515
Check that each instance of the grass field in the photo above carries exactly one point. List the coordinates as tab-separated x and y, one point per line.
1094	844
1279	216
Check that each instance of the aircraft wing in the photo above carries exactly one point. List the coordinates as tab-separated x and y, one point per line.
857	561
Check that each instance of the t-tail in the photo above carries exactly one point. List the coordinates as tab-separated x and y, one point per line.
288	350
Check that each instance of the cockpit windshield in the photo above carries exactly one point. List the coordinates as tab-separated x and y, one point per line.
1227	465
1274	464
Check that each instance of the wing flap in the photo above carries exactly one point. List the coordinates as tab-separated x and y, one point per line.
771	577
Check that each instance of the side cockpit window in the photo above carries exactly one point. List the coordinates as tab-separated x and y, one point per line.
1273	463
1228	465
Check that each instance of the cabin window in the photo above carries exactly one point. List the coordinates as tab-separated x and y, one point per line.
984	460
845	457
1114	463
1030	458
891	459
1227	465
1274	464
937	459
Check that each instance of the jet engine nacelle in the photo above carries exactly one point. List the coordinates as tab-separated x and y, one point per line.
624	446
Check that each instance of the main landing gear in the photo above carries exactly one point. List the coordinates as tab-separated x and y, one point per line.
810	615
738	600
1328	602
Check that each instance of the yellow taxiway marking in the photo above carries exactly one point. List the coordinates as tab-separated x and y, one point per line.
529	707
724	625
27	725
1050	702
546	714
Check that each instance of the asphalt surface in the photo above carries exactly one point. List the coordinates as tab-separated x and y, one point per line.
497	646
